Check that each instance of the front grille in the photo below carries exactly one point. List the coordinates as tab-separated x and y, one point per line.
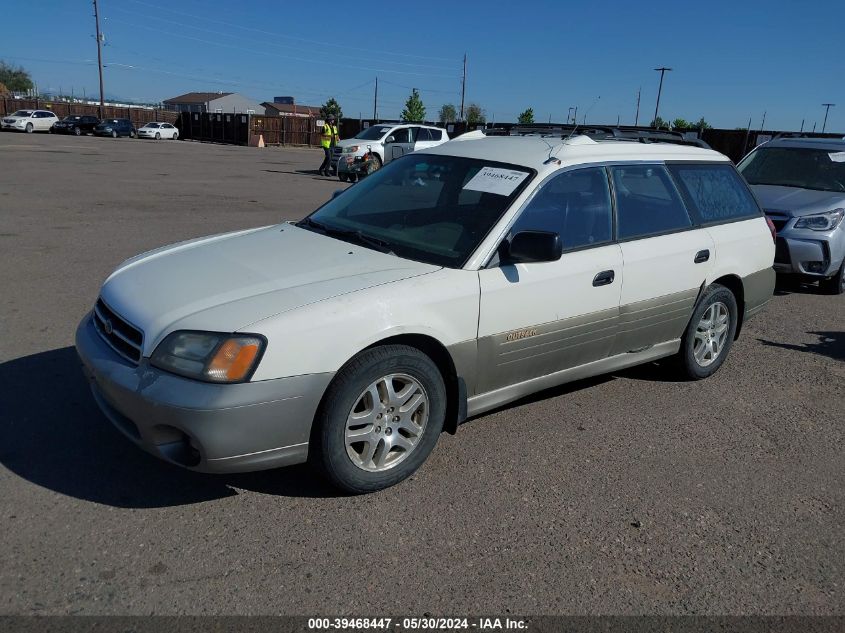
782	252
125	339
778	220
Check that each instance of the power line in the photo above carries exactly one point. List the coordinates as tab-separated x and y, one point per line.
276	55
300	49
291	37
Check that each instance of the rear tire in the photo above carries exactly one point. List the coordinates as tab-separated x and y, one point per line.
175	136
709	334
132	134
836	284
342	177
380	419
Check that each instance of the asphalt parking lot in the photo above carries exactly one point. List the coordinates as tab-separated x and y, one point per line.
626	494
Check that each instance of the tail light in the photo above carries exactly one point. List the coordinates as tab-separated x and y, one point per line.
772	229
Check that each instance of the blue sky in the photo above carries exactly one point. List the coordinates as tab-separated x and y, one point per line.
731	60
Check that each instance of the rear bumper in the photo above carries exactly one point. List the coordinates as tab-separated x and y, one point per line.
201	426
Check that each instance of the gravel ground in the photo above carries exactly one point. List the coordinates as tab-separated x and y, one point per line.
626	494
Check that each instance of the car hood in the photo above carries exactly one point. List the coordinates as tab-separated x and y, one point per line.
226	282
348	142
795	201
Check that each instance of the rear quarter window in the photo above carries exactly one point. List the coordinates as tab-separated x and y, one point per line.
715	192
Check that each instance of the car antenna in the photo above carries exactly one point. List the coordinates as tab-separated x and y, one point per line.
595	101
551	158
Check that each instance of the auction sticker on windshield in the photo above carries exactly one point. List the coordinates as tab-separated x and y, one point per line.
496	180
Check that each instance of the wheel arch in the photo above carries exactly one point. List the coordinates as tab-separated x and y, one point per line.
735	285
456	393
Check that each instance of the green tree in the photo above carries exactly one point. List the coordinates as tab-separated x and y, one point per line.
680	124
331	107
701	124
475	114
414	109
659	123
447	114
527	116
15	79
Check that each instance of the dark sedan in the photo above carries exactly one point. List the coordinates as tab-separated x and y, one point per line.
115	128
75	124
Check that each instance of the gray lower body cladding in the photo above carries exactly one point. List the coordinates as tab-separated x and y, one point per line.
202	426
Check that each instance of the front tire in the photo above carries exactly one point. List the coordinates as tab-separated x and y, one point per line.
710	333
380	418
158	136
836	284
342	177
114	134
77	131
29	128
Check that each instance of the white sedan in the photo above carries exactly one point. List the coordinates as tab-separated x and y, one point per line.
158	131
29	121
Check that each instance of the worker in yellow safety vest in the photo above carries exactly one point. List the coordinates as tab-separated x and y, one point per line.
328	139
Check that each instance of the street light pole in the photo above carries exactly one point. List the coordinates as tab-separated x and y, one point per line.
662	71
826	110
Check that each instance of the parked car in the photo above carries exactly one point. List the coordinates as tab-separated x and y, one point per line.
158	131
385	142
446	284
76	124
115	128
800	183
29	121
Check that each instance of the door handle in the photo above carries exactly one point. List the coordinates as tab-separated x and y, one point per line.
702	256
604	278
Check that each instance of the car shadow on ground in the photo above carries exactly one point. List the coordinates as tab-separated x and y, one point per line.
53	435
830	344
786	285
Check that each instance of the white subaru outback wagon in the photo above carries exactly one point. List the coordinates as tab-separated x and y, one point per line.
444	285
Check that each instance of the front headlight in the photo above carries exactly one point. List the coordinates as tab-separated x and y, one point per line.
822	221
209	356
350	150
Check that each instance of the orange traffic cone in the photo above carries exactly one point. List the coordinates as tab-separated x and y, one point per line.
261	140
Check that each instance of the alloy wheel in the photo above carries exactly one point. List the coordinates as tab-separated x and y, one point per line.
711	334
386	423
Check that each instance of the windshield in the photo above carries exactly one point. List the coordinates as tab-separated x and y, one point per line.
153	125
807	168
373	133
23	113
72	118
433	209
108	122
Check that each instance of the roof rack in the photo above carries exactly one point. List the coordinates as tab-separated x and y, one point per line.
599	133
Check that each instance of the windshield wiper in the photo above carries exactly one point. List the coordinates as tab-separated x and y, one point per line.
350	235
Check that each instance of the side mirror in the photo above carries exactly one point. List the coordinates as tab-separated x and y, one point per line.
337	193
390	139
531	247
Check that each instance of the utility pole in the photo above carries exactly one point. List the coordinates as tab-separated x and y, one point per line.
747	133
375	103
763	122
99	54
463	87
826	110
569	114
802	125
637	117
662	71
575	117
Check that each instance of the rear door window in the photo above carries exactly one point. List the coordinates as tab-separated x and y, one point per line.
715	192
647	202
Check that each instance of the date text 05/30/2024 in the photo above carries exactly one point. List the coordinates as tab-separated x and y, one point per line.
417	624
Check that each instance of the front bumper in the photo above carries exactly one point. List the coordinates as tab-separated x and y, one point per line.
12	126
202	426
815	256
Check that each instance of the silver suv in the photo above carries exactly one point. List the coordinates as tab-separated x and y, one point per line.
800	183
